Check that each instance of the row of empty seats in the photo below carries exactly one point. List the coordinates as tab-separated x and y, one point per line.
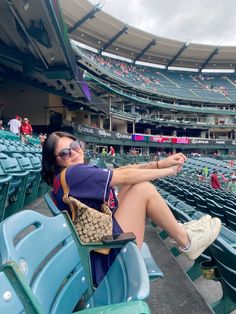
220	256
20	175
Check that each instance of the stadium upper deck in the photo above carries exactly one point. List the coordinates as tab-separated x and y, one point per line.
91	26
216	88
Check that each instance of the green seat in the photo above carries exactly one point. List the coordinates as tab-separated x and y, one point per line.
172	199
49	201
16	298
216	210
230	215
55	267
17	187
224	255
33	179
37	164
153	270
4	191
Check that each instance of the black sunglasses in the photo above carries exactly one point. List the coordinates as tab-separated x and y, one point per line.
65	153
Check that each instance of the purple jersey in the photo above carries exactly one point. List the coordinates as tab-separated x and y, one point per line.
91	185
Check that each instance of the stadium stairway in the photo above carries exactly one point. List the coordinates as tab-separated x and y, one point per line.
175	293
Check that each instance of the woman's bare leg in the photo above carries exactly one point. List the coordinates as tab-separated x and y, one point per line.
143	200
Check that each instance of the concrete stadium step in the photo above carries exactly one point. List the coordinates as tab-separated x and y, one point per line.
175	293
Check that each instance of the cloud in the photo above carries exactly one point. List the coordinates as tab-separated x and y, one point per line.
202	21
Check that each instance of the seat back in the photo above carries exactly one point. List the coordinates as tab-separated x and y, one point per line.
35	160
224	254
49	201
230	215
215	209
9	164
53	269
126	280
55	265
4	189
14	295
24	162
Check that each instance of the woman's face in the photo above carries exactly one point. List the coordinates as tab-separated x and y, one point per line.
75	157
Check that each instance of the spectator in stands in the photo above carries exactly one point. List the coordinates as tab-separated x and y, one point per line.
42	138
15	124
26	128
112	151
224	179
232	186
200	175
205	171
104	152
1	125
137	197
215	183
233	175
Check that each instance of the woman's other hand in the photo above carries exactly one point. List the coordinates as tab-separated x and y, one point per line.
174	170
173	160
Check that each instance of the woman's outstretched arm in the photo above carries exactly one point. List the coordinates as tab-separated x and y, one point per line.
132	176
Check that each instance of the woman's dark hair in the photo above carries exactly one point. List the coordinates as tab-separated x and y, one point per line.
49	166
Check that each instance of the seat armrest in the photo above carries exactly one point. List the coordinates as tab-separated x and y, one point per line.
121	238
153	270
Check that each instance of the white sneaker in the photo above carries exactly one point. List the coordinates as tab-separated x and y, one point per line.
188	224
201	234
193	222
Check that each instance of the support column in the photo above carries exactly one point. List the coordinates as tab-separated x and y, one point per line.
133	127
111	122
89	119
100	122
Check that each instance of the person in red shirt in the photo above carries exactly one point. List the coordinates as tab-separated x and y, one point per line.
112	151
215	183
26	128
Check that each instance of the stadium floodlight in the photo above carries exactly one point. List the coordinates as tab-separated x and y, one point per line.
188	42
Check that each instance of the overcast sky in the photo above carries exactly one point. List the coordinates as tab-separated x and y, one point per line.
201	21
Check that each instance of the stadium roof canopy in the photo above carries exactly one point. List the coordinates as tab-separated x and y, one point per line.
91	26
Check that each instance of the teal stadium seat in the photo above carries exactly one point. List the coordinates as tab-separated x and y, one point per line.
17	298
4	191
37	164
48	257
14	296
153	270
230	215
224	254
17	187
33	178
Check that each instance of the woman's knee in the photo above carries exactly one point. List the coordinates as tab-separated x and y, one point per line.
144	188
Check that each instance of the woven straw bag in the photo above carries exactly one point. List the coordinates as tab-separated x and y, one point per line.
90	223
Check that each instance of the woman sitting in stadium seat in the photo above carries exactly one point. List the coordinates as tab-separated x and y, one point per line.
137	198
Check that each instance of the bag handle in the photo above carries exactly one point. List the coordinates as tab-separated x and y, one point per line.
66	191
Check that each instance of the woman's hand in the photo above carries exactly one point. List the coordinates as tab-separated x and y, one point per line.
174	170
173	160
